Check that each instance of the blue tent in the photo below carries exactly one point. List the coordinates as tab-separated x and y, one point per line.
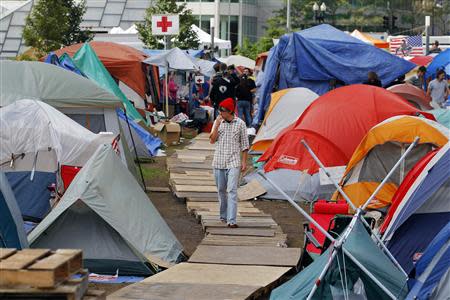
146	144
12	232
432	266
312	57
440	62
64	62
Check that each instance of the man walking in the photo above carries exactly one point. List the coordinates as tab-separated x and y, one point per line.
419	80
438	90
229	133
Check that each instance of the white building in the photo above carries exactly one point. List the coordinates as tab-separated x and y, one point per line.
233	19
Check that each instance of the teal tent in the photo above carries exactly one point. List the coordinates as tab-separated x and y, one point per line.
442	115
88	62
344	276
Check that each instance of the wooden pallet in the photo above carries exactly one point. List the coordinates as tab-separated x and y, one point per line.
38	267
71	289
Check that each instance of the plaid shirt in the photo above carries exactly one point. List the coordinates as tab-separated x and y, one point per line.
231	141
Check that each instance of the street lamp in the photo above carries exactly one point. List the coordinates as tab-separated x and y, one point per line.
319	12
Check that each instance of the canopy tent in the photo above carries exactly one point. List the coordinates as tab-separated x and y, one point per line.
40	139
432	271
343	276
12	232
440	62
442	115
423	211
368	39
378	152
122	62
238	60
333	125
174	58
286	106
109	217
316	57
413	94
205	39
75	96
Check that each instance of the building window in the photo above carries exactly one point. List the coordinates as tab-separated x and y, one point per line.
205	23
229	26
249	28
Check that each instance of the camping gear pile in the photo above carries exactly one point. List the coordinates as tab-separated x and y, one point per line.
69	140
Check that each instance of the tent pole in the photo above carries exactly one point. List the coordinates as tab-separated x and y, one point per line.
135	151
379	241
322	274
297	207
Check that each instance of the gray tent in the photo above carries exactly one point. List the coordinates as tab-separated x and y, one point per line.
106	213
12	232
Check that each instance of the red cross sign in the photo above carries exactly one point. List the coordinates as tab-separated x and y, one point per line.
165	24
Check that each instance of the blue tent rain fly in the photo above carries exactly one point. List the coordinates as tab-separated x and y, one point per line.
314	57
440	62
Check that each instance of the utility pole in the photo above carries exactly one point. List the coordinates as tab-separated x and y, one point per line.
288	16
427	32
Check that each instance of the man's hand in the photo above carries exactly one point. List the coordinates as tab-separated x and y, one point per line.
243	166
218	121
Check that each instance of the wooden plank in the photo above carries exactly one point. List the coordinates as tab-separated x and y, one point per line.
279	240
195	188
23	259
6	252
194	199
242	231
251	190
195	195
191	177
194	182
246	255
211	223
157	189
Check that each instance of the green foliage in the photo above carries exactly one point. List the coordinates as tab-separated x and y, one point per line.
186	39
53	24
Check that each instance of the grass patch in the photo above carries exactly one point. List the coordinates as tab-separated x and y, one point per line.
153	173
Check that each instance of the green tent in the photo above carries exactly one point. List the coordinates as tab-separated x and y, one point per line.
88	62
344	275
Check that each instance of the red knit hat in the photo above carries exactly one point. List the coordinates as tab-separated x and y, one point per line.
228	104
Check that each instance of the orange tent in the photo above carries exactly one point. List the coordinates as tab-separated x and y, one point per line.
122	62
413	94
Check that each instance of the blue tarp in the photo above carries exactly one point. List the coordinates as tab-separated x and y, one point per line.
12	233
312	57
151	142
440	62
64	62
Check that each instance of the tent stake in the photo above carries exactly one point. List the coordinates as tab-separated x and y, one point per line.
338	187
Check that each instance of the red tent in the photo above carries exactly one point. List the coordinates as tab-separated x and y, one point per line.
333	125
413	94
421	60
405	186
122	62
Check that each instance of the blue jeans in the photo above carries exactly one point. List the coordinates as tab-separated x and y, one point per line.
227	181
244	111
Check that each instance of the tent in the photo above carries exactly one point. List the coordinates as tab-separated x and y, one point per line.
75	96
380	149
205	39
64	62
238	60
35	141
333	125
440	62
442	115
107	215
344	276
123	62
315	57
286	106
368	39
413	94
421	60
175	58
12	232
423	210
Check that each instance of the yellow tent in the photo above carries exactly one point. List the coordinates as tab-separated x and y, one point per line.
379	151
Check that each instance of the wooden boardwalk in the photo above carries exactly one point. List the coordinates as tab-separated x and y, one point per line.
229	263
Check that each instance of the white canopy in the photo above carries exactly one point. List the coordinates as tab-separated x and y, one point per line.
205	39
239	60
31	126
176	59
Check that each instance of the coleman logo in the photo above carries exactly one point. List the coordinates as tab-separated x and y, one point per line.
288	160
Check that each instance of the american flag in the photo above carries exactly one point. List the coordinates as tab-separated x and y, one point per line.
413	43
115	144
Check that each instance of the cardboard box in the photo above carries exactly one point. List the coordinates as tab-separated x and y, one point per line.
168	132
189	133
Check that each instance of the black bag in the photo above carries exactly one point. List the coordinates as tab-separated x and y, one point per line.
200	116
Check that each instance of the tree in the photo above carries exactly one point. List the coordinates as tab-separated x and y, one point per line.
186	39
53	24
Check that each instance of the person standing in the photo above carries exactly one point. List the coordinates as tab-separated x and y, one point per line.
419	80
438	90
223	86
229	134
244	95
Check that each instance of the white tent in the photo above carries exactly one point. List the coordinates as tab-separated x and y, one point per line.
176	59
106	213
239	60
205	39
